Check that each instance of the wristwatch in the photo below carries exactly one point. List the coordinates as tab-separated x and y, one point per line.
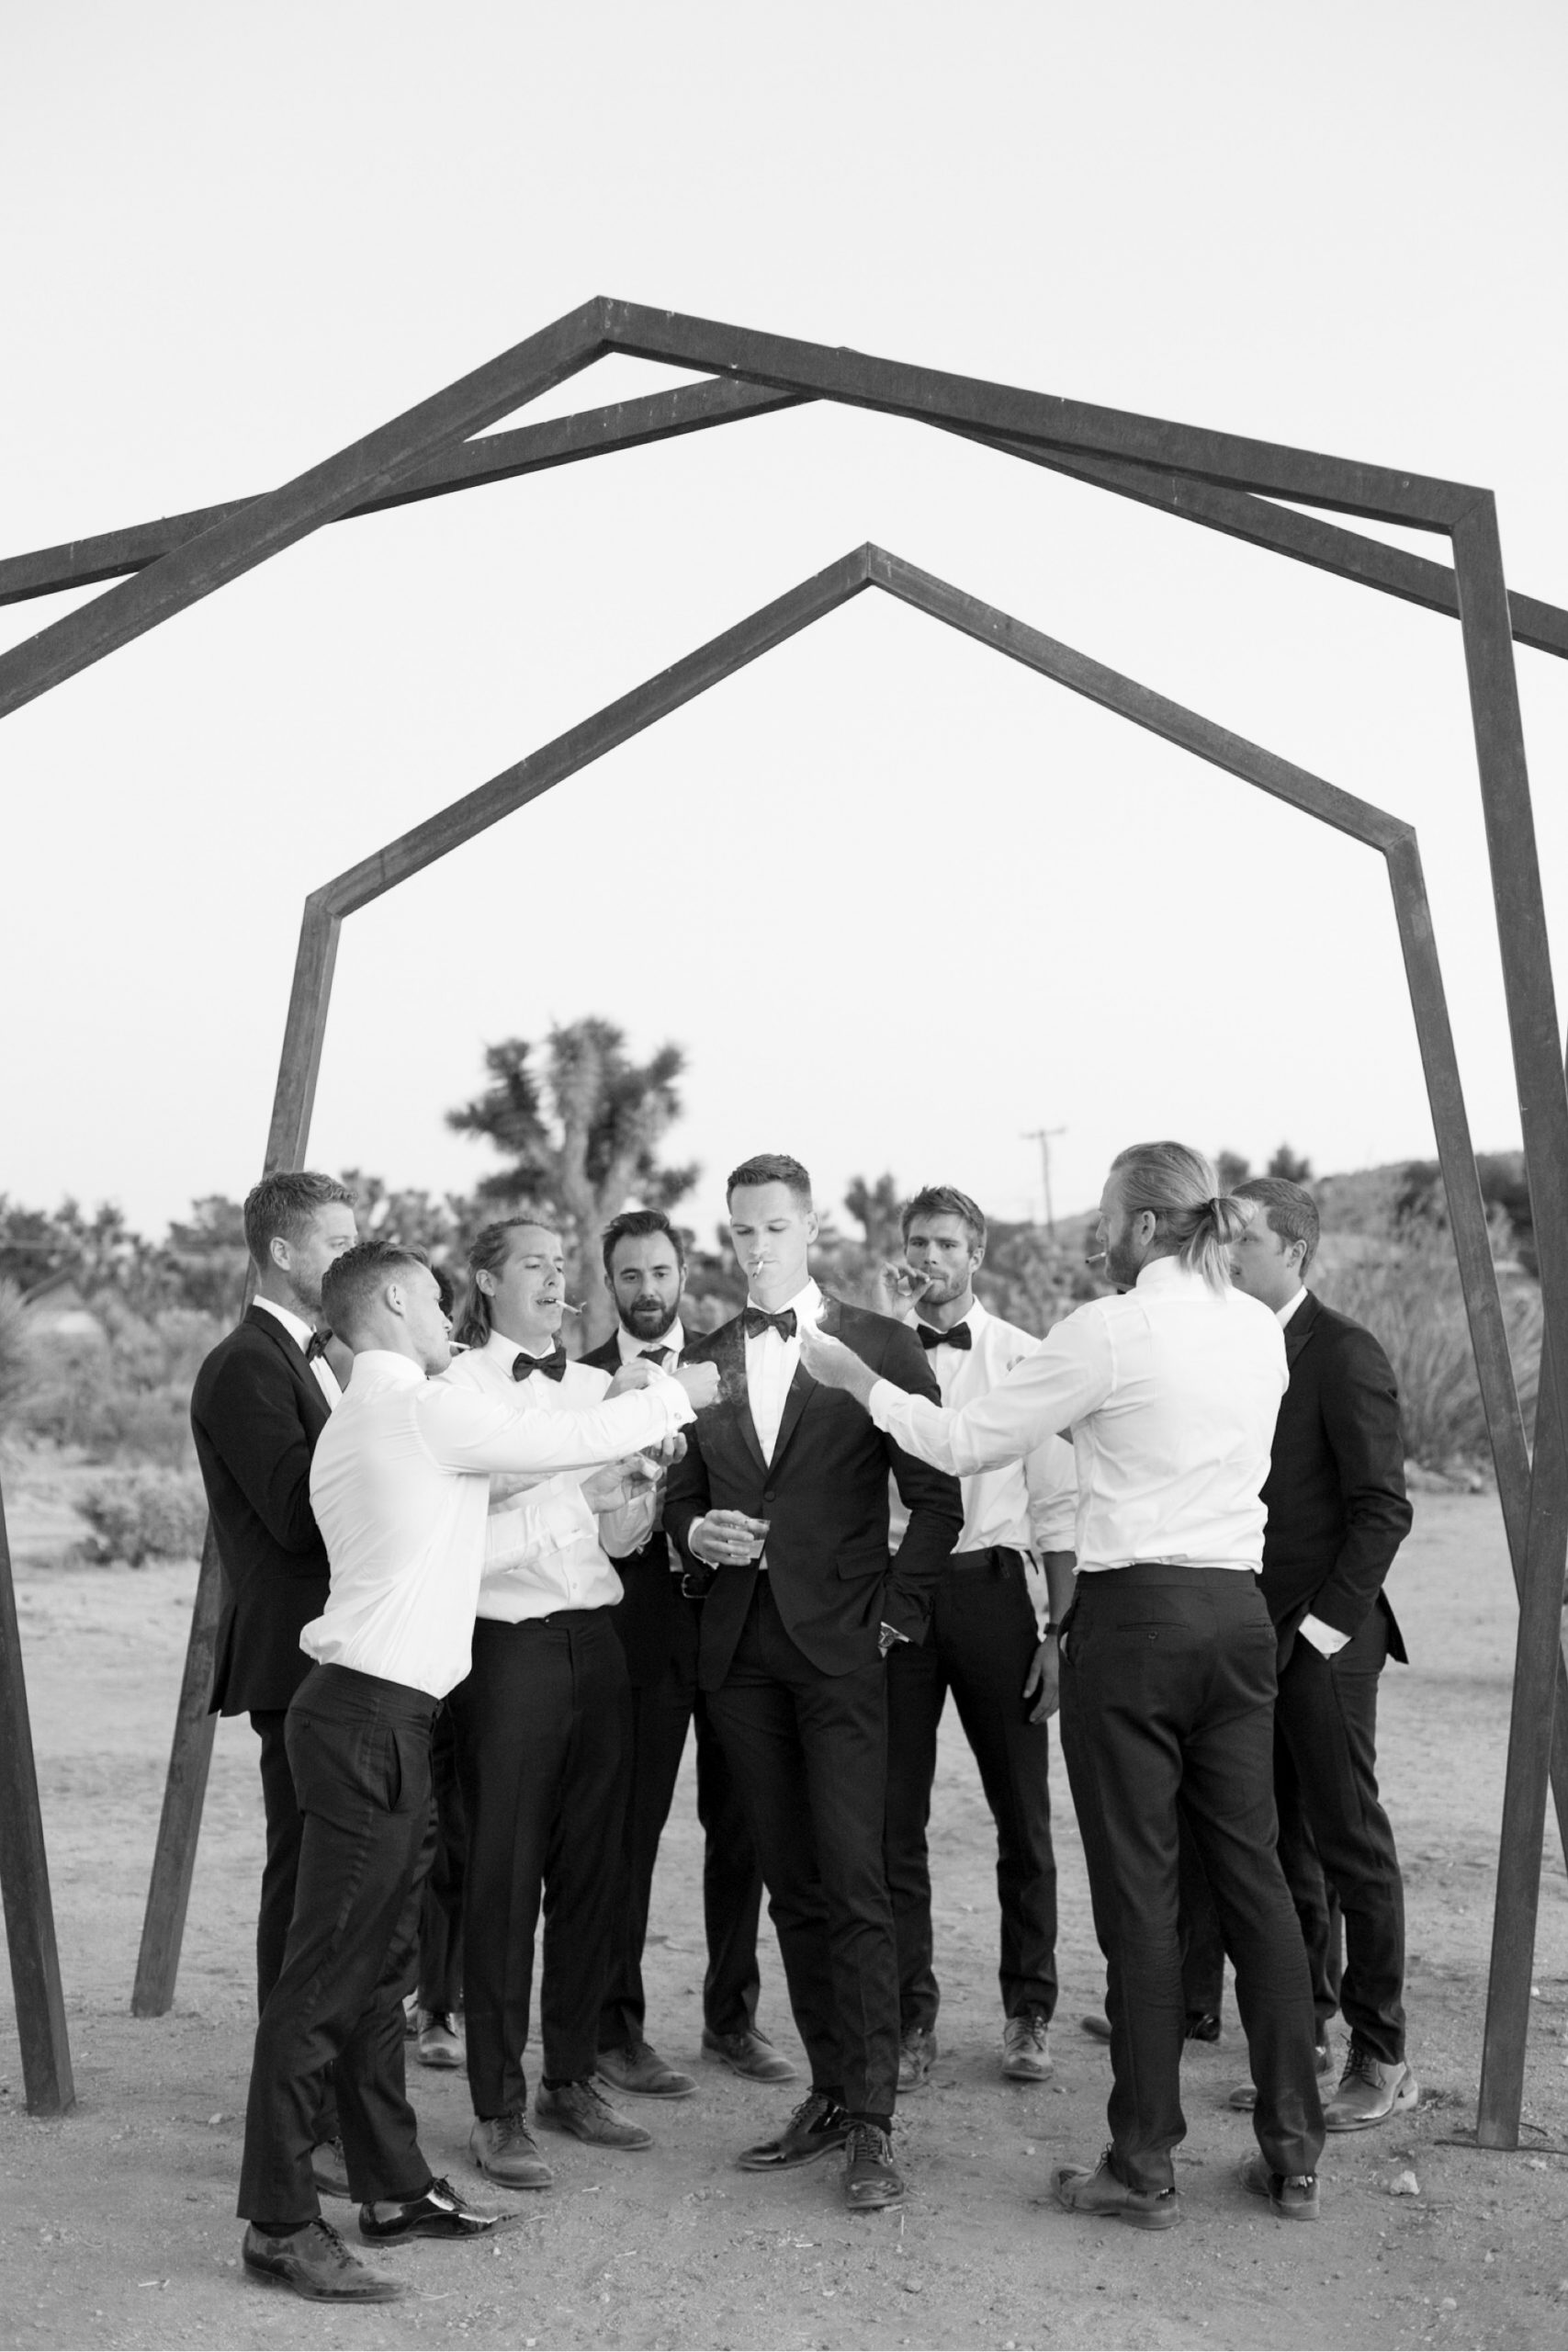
1047	1630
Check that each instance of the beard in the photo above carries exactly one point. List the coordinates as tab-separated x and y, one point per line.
646	1318
1120	1264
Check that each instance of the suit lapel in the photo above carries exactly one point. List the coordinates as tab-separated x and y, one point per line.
729	1354
802	1388
1299	1330
293	1355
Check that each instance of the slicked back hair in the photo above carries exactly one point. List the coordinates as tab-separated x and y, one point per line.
770	1168
487	1254
352	1280
945	1200
282	1206
1179	1185
1290	1208
636	1224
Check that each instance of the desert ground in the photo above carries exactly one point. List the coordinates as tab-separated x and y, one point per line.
117	2224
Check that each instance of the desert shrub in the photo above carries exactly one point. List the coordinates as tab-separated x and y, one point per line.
142	1515
1407	1291
18	1368
126	1392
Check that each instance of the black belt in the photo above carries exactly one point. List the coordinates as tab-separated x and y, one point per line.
1000	1553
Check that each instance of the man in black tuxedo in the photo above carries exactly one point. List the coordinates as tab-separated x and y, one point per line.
1338	1513
260	1402
645	1274
781	1503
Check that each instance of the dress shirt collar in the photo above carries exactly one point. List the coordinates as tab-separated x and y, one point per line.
503	1353
1289	1308
807	1302
299	1330
631	1347
386	1367
1164	1273
976	1316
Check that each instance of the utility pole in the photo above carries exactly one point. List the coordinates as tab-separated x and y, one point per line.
1041	1136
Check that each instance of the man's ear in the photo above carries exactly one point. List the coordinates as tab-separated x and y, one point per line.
484	1280
811	1225
279	1252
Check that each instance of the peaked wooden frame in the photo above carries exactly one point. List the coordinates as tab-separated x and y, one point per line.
1224	481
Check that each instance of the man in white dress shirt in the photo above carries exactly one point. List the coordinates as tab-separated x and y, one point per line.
400	1485
1171	1392
992	1642
542	1725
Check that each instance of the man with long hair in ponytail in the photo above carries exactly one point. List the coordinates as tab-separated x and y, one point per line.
1169	1391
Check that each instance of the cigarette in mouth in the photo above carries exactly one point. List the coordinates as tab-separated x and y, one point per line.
567	1308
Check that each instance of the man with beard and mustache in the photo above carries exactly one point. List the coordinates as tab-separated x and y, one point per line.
645	1274
992	1643
260	1402
1171	1392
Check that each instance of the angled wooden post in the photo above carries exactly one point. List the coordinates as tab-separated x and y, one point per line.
184	1788
24	1880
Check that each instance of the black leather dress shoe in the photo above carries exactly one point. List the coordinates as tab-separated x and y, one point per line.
329	2170
750	2053
439	2214
315	2262
872	2179
816	2129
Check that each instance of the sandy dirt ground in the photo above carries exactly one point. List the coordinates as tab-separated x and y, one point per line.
117	2224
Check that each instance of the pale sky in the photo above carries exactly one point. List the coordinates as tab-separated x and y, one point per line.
900	900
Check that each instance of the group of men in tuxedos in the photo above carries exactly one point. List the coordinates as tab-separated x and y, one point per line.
570	1562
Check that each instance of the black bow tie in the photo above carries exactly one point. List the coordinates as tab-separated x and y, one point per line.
959	1337
318	1346
758	1320
656	1355
552	1366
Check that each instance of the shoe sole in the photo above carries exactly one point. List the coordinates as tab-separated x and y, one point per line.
750	2163
1097	2028
1312	2213
391	2290
874	2204
1407	2095
431	2230
1013	2073
635	2090
786	2073
509	2180
447	2062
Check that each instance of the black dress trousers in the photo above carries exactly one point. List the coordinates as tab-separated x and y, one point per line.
1326	1720
440	1989
808	1752
359	1753
1168	1690
541	1726
980	1646
732	1887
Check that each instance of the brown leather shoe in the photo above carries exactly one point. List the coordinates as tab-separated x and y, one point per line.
315	2262
917	2056
329	2170
583	2111
1026	2048
1292	2197
504	2148
638	2068
1370	2090
872	2179
816	2129
1103	2196
1244	2095
750	2053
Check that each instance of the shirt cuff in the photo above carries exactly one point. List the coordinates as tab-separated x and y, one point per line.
1325	1639
884	1397
532	1527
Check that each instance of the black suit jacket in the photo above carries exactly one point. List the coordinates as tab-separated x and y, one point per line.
825	1493
257	1410
1334	1494
658	1625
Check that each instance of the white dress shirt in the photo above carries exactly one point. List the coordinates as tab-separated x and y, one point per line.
1325	1639
400	1485
1029	1505
770	1364
300	1333
545	1546
1171	1393
631	1347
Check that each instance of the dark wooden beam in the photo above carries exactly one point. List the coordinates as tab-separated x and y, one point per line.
369	467
47	2081
496	456
185	1792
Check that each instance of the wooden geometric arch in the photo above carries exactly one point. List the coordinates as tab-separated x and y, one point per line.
1221	480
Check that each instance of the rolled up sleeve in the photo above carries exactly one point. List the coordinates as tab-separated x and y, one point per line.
1071	1373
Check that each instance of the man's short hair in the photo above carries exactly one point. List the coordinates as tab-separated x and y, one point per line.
1291	1211
635	1224
352	1280
945	1200
282	1205
770	1168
